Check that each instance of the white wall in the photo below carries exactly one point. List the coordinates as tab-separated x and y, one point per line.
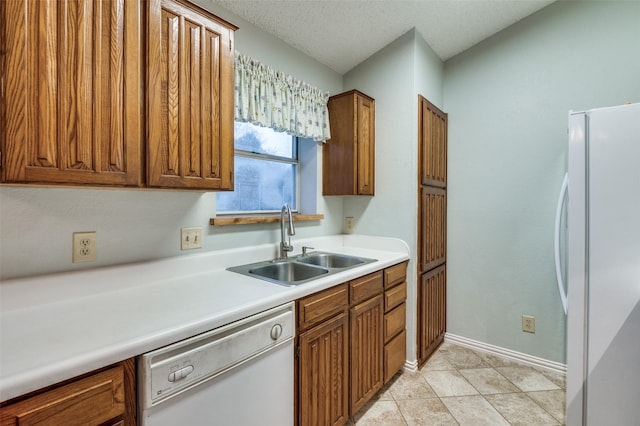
393	77
36	224
507	101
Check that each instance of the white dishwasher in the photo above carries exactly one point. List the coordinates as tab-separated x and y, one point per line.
240	374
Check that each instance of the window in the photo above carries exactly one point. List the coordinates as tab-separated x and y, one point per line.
266	171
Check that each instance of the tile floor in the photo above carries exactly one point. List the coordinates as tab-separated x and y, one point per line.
459	386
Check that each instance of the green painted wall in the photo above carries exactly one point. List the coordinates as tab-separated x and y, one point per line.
507	100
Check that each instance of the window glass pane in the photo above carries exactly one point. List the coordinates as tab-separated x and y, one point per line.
263	140
259	185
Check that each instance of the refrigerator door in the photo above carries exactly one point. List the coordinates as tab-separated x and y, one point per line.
613	249
603	346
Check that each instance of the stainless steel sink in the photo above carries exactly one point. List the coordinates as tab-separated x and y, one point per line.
331	260
288	272
300	269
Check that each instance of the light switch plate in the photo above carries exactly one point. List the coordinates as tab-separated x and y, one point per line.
190	238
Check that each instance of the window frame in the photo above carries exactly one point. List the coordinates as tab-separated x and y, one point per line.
294	160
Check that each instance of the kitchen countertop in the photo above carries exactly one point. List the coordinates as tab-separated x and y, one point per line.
55	327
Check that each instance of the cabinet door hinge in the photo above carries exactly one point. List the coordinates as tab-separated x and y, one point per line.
298	351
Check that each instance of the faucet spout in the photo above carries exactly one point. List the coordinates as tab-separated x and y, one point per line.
286	247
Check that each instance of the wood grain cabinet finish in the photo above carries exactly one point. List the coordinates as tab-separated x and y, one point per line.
395	340
323	374
366	341
72	92
190	97
432	306
104	398
348	165
432	227
375	346
432	124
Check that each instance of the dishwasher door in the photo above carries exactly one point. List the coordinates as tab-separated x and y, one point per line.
240	374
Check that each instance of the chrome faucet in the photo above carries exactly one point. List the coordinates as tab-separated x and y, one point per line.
284	246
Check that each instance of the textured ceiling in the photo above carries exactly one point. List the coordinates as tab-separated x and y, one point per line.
341	34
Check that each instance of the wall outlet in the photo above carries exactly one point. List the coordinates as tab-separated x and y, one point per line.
349	224
84	247
190	238
528	324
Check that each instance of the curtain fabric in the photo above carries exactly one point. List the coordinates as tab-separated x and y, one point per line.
269	98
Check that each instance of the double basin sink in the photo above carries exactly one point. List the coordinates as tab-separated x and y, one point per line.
300	269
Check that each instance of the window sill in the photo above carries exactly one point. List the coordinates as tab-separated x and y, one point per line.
246	220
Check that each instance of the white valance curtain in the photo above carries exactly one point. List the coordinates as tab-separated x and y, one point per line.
270	98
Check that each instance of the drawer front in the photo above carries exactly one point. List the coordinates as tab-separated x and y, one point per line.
365	287
395	275
395	354
322	305
395	296
89	401
394	321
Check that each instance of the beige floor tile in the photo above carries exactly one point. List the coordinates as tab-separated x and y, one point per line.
488	381
553	401
437	362
498	361
449	383
558	379
380	413
527	378
411	386
520	410
427	412
461	357
474	411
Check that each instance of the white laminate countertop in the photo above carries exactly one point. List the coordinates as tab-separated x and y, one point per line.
55	327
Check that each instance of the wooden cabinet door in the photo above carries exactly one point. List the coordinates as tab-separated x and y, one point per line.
348	163
190	98
365	145
323	374
366	351
433	228
72	92
432	313
432	135
104	398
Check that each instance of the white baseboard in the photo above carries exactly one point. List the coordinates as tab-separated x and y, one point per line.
411	366
520	357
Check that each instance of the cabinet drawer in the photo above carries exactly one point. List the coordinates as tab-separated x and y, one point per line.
395	275
322	305
394	321
395	296
365	287
395	354
89	401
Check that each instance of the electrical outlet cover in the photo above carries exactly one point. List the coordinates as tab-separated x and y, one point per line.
528	324
84	247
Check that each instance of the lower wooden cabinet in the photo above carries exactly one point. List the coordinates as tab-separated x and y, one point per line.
366	351
322	373
107	397
395	313
351	340
432	311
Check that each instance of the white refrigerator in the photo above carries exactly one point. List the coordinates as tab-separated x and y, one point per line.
603	326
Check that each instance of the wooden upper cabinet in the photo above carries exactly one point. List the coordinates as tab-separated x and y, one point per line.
348	166
432	134
72	92
190	97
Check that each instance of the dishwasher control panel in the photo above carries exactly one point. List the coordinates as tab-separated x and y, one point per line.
175	368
